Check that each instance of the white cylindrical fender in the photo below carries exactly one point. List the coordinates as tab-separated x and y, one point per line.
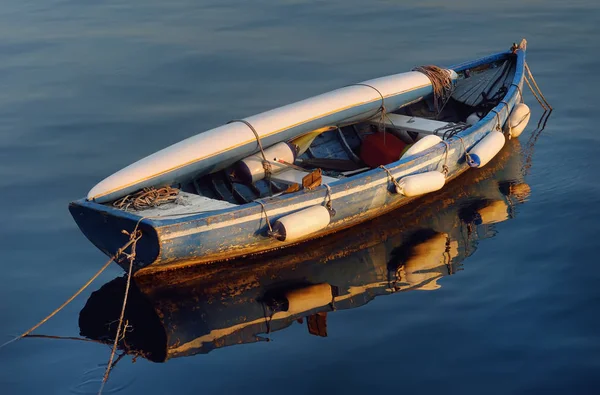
473	119
496	211
302	223
309	298
251	169
421	145
486	149
420	184
518	120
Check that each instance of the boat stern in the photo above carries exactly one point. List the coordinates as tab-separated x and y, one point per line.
104	225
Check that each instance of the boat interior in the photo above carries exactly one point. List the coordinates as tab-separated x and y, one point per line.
329	154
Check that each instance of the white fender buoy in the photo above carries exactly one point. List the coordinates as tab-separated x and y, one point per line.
251	169
485	150
309	298
495	211
421	145
518	120
302	223
420	184
473	119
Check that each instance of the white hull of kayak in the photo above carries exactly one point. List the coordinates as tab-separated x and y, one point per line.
220	147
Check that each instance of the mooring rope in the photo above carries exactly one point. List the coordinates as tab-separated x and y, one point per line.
132	241
441	83
135	235
539	100
528	70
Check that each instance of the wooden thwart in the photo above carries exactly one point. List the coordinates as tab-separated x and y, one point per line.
412	124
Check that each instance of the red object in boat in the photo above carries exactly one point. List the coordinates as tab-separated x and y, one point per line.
381	148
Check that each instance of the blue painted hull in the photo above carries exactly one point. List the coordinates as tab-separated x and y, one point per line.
238	231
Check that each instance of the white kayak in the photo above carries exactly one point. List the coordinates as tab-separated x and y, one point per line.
220	147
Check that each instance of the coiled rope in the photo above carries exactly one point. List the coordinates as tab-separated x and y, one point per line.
441	83
147	197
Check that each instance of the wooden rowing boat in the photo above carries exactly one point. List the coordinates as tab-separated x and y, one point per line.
311	168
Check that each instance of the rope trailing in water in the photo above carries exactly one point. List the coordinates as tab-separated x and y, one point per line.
441	83
539	91
135	235
147	197
132	241
539	100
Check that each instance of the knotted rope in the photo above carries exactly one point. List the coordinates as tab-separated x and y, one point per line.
392	178
135	236
441	83
147	197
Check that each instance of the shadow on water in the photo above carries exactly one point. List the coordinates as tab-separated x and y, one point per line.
194	311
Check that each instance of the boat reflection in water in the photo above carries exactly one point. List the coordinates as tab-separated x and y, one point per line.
182	313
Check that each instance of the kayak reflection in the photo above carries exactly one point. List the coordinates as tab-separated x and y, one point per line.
188	312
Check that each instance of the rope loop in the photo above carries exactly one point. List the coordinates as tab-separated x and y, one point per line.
328	204
266	164
445	169
519	90
498	126
467	156
392	178
264	210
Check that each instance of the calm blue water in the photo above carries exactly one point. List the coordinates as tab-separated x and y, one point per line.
88	87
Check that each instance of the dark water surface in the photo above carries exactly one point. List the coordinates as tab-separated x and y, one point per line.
88	87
